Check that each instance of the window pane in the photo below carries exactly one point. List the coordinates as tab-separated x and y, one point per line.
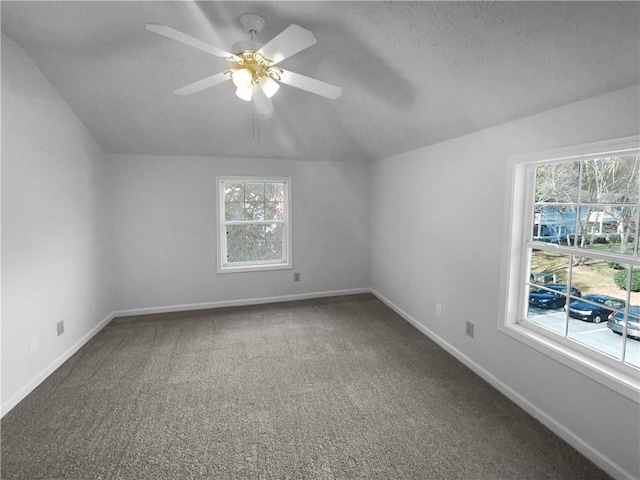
274	192
601	298
596	336
254	192
254	211
547	290
273	251
610	180
274	233
274	211
236	234
255	251
234	192
593	276
236	252
247	243
621	278
548	267
628	178
557	183
608	228
627	230
256	233
632	349
599	315
554	224
233	211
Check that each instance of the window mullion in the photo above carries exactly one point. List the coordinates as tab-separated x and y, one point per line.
637	220
578	206
254	222
606	256
526	232
623	346
568	293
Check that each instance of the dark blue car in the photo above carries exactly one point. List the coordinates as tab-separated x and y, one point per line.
553	295
595	308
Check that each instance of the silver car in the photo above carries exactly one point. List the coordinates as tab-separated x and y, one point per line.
616	322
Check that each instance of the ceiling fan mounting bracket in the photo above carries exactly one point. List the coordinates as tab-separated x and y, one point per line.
252	23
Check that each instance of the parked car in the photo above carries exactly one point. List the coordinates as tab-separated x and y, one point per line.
590	312
551	296
616	322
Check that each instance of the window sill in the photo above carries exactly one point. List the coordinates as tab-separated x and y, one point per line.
254	267
627	385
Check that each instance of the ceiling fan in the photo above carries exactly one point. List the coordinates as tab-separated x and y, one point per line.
254	69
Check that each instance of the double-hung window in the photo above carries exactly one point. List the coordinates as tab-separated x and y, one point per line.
253	223
572	269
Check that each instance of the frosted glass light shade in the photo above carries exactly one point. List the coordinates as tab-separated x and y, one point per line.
245	93
269	86
242	78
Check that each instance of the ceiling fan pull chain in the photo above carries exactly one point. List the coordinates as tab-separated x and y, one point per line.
256	128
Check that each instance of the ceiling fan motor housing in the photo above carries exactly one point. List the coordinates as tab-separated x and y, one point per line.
242	46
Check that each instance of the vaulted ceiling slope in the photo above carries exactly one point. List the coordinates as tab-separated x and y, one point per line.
412	73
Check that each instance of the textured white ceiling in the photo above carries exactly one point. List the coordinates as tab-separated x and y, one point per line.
412	73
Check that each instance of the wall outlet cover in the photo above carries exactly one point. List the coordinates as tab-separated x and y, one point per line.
60	327
470	329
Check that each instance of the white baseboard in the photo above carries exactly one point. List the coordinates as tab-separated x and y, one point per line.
236	303
42	376
601	460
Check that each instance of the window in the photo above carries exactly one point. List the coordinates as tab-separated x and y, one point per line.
253	223
572	269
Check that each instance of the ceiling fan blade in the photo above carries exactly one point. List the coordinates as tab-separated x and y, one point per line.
290	41
189	40
261	102
204	83
310	84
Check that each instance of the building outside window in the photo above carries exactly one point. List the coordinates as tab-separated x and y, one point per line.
253	223
572	267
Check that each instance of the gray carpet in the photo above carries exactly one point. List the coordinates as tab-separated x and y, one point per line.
335	388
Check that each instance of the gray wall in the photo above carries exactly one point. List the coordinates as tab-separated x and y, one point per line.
437	237
54	247
163	214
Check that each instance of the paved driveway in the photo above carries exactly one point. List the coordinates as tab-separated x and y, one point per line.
594	335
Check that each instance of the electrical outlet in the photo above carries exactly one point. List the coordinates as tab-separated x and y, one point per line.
438	310
34	345
296	277
470	329
60	327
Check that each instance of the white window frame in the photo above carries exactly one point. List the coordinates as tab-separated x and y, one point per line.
252	266
616	375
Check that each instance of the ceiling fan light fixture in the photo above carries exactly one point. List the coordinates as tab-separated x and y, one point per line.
269	86
245	93
242	78
252	67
